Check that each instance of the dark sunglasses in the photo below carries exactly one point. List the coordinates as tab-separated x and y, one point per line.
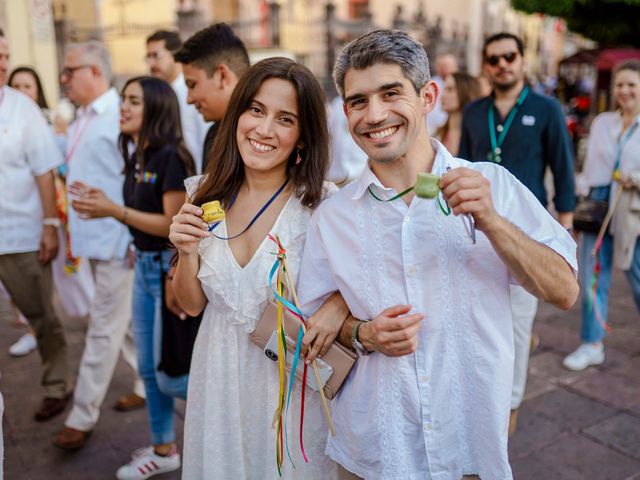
494	60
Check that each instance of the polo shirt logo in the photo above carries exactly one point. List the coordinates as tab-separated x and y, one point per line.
528	120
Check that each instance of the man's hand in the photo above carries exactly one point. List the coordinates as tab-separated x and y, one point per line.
95	204
171	301
392	332
323	327
48	244
467	191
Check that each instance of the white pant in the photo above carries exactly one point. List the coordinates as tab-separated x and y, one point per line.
109	332
523	310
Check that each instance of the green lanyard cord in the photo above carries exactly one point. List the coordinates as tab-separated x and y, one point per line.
496	144
446	211
396	197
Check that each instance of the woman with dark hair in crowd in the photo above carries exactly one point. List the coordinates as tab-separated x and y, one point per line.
156	165
612	163
459	90
27	81
272	150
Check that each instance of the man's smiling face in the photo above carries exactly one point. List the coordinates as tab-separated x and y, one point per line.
384	112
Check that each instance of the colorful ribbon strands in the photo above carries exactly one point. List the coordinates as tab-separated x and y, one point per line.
71	263
592	295
282	274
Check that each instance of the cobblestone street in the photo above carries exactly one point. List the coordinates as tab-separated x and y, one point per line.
572	426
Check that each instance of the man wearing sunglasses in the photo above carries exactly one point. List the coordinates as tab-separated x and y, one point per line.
525	132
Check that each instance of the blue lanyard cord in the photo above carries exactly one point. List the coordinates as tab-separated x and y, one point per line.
623	138
496	144
264	207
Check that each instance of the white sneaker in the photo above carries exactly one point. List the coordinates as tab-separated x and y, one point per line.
146	463
586	354
24	346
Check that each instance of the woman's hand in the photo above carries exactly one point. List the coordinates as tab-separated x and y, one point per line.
323	327
95	204
188	229
626	183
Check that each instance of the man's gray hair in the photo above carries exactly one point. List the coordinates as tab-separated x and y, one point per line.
384	46
95	53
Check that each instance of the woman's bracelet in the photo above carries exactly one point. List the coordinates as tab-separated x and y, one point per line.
125	213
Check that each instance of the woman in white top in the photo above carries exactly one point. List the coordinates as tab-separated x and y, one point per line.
271	151
611	132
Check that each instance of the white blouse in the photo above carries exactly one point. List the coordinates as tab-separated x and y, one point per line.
442	412
604	133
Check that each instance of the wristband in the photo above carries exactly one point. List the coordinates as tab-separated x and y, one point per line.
51	222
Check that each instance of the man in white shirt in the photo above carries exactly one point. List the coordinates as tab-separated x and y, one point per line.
95	160
161	46
429	395
28	223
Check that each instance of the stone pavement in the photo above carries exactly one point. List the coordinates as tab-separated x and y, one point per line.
573	426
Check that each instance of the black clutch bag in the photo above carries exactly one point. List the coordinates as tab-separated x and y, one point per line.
589	215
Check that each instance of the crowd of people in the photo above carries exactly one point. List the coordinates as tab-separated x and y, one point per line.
436	296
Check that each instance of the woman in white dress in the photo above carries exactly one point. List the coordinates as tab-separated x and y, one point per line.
271	151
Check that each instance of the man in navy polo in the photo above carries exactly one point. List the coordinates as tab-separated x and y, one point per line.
525	132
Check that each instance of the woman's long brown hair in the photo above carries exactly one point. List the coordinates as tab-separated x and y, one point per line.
225	169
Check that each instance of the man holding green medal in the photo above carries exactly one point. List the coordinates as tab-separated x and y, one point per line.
524	132
424	265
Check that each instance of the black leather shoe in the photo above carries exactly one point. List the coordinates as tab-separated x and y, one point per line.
50	407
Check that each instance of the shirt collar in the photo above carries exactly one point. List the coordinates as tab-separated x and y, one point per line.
101	103
441	161
178	81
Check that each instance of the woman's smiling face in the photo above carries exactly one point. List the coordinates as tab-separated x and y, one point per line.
269	129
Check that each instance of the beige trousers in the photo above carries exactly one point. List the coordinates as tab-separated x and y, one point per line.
30	285
109	332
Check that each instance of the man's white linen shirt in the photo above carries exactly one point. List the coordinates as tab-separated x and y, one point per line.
443	411
95	160
194	128
27	149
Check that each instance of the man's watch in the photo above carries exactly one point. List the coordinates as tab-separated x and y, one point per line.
52	222
356	343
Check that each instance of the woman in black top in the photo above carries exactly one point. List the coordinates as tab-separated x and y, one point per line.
156	164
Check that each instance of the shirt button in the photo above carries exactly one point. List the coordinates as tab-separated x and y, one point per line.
428	427
406	219
499	128
424	378
411	271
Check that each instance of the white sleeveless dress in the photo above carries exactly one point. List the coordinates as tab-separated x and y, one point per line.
233	386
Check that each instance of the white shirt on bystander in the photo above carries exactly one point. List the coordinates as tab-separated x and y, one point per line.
27	149
94	159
